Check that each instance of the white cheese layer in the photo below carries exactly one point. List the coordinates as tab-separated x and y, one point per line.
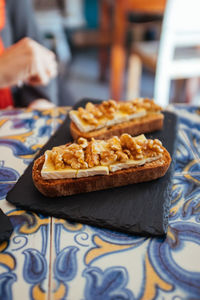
49	172
99	170
131	163
120	117
82	126
59	174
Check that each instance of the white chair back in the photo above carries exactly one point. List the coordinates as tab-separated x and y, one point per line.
180	29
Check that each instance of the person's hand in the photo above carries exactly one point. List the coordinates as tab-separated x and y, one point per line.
27	62
41	104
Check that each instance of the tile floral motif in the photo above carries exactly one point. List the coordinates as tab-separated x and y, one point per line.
25	257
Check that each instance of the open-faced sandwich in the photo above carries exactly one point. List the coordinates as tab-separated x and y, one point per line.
110	118
93	165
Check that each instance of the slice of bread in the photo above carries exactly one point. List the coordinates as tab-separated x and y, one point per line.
151	122
65	187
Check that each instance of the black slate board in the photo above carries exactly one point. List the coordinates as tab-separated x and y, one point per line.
6	228
136	209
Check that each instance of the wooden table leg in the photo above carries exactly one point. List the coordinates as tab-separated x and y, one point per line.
105	28
118	52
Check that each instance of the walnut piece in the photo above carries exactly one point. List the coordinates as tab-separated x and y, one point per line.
87	116
56	158
108	108
115	144
94	110
108	157
147	104
82	142
91	156
127	107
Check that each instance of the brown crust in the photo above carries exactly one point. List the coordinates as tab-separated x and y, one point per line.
65	187
149	123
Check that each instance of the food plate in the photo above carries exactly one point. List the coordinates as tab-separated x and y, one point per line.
141	208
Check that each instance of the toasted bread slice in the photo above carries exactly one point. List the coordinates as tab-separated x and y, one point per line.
149	123
70	186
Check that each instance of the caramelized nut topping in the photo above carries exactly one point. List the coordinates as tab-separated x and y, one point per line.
114	143
82	142
108	157
99	114
87	116
87	154
122	156
93	109
91	155
56	158
108	108
127	107
147	104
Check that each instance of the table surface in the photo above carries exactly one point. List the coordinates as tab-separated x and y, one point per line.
49	258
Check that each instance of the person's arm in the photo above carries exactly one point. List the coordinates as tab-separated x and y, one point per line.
27	62
23	24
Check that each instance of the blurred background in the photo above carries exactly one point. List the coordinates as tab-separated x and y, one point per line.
108	49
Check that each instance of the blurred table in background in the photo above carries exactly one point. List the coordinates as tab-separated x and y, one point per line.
120	11
50	258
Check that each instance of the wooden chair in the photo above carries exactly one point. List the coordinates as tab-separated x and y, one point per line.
118	55
175	56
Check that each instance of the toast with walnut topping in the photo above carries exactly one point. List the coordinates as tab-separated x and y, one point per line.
111	118
94	165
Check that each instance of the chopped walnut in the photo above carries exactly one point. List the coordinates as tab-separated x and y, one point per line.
153	106
158	142
93	109
142	143
74	163
121	156
114	143
140	148
56	158
154	147
146	103
91	156
108	158
150	144
82	142
68	156
128	153
157	148
74	158
127	107
58	149
129	143
87	116
79	154
136	101
74	147
108	108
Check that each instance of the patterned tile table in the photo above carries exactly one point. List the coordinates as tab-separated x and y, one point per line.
48	258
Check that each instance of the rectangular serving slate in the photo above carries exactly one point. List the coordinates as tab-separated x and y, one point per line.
141	208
